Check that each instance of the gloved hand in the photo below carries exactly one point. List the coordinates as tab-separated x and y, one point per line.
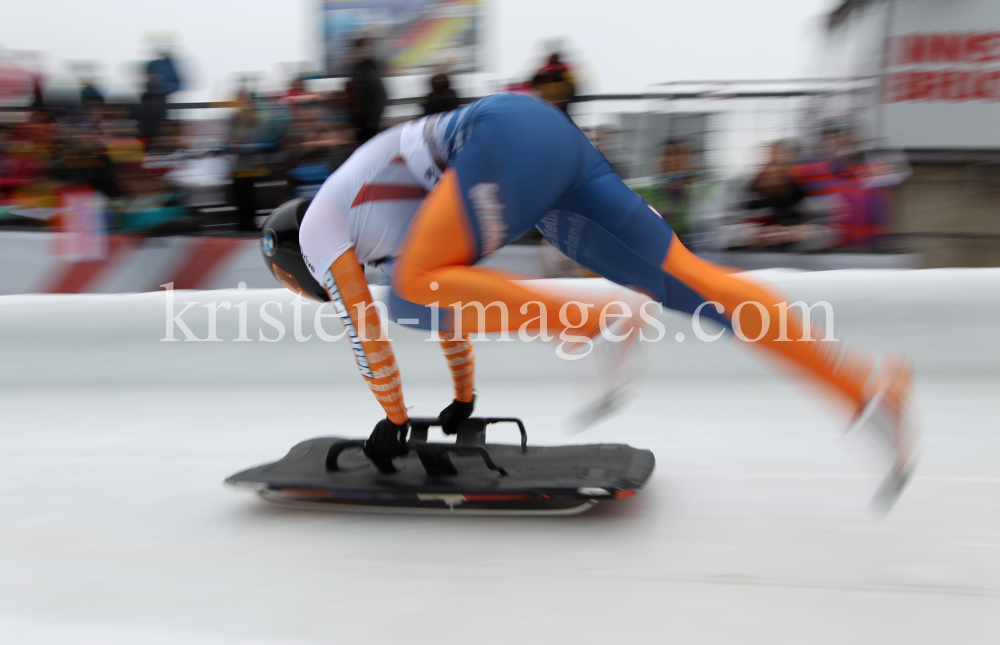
453	416
387	441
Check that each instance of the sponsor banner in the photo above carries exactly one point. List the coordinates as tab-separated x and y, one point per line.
411	36
941	75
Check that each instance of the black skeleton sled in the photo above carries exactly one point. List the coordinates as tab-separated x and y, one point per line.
468	476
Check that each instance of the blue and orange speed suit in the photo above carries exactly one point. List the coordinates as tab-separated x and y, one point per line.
508	163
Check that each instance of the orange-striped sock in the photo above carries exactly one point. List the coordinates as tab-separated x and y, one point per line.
462	362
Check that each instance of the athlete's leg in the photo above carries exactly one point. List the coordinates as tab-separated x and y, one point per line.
846	371
462	363
880	399
514	166
510	176
626	241
434	269
487	180
457	349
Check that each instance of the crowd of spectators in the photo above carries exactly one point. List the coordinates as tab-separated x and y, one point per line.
838	197
62	144
99	147
154	174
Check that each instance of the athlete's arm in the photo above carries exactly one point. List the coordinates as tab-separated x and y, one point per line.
329	254
345	282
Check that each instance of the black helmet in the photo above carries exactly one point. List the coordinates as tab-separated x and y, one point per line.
279	242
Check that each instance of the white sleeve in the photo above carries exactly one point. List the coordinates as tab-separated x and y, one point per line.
323	236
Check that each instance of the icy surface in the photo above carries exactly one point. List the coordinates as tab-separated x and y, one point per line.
115	527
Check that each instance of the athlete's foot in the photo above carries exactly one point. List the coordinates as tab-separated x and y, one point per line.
601	408
616	363
888	418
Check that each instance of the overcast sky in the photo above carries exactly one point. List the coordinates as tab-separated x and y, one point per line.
622	45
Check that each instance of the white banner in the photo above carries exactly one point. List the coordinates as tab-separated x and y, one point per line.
941	84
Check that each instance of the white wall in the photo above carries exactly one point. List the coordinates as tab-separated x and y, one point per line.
944	318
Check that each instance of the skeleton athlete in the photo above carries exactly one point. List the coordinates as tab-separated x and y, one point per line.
428	198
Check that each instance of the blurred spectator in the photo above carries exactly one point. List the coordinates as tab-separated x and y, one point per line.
25	151
121	136
315	145
161	80
31	89
775	188
338	109
296	89
856	194
151	111
89	94
245	91
169	139
671	192
442	98
554	82
256	135
841	198
16	83
788	222
163	77
90	97
365	93
82	158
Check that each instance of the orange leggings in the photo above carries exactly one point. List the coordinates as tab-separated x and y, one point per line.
433	268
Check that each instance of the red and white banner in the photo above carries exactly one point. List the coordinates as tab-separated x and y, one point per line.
941	75
30	262
36	263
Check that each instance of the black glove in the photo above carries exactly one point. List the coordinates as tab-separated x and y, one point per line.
387	441
453	416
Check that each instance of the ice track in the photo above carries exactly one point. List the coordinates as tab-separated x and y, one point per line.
115	527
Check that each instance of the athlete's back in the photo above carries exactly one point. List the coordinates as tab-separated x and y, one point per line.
369	202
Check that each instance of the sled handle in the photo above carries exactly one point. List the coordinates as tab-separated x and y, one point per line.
520	427
334	454
419	427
